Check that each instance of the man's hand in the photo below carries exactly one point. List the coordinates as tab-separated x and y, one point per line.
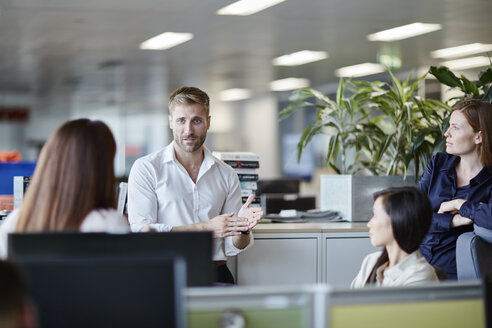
226	225
459	220
252	214
451	206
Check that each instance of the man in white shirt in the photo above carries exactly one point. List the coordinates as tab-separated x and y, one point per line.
183	187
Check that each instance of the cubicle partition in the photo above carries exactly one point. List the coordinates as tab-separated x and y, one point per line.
255	307
449	305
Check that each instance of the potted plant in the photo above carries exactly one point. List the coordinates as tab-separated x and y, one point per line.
407	129
481	88
376	128
342	119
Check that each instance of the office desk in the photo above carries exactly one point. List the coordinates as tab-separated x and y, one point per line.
303	253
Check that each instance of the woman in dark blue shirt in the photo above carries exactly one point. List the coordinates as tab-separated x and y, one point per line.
459	183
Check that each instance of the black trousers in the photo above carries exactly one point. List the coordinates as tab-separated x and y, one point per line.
223	275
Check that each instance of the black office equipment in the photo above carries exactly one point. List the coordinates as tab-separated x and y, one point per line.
108	291
194	247
274	203
278	186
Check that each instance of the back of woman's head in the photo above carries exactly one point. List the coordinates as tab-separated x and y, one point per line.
12	293
73	176
478	113
411	215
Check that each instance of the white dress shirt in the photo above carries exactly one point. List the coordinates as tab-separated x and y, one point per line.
162	195
98	220
412	270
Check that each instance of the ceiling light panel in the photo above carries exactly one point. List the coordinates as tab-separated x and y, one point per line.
289	83
461	51
234	94
300	58
165	41
360	70
466	63
404	32
247	7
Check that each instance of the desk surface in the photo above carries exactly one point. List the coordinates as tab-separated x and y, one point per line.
310	227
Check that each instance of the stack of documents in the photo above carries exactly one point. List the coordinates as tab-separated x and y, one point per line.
293	216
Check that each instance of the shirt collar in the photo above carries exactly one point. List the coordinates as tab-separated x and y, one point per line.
450	164
169	154
208	158
482	176
396	271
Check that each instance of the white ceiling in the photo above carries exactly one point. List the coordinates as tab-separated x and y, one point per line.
47	46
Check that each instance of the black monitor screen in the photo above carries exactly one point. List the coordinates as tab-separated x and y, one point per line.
194	247
107	292
278	186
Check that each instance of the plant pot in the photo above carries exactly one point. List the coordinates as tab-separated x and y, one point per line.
352	195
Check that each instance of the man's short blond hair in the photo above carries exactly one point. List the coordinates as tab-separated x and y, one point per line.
188	95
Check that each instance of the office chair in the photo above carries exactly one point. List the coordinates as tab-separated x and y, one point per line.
473	249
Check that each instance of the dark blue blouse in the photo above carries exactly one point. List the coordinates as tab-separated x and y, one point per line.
439	182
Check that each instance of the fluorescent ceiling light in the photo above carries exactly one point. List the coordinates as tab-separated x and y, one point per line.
234	94
289	83
460	51
300	58
247	7
360	70
166	40
404	32
466	63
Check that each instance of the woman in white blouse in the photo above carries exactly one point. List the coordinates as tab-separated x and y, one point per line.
401	218
73	187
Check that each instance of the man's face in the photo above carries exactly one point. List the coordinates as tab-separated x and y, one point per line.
189	123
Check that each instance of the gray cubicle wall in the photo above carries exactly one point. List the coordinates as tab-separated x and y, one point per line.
257	306
447	305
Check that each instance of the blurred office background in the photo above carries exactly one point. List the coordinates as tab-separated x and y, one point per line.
64	59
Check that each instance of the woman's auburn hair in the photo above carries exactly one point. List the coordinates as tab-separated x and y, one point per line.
478	113
73	176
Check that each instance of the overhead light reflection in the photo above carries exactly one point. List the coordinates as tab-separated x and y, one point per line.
404	32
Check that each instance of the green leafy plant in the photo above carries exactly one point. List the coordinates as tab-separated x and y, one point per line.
376	126
340	119
408	129
481	88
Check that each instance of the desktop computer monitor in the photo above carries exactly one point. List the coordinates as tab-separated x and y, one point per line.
107	291
194	247
449	305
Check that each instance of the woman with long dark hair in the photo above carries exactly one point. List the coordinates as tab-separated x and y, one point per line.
73	186
401	218
459	183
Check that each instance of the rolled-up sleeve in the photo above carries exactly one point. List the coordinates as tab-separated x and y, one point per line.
480	213
231	250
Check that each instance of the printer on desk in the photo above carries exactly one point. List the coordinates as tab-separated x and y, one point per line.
283	194
281	202
274	203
